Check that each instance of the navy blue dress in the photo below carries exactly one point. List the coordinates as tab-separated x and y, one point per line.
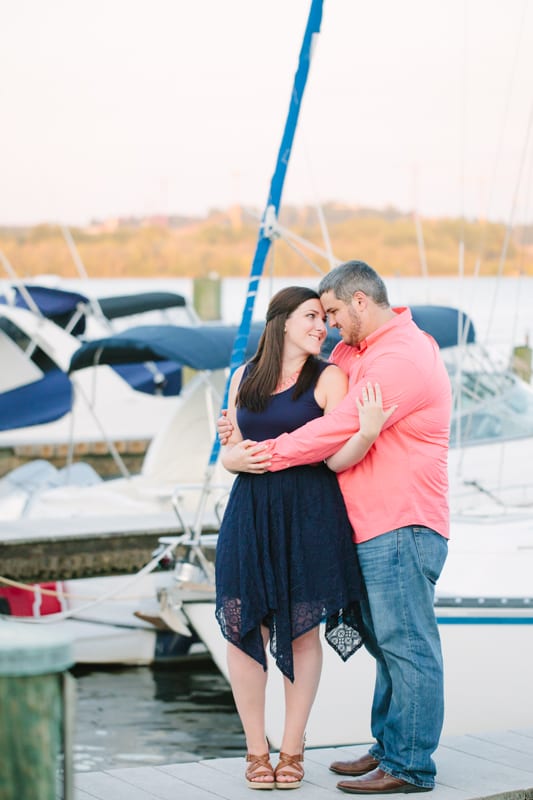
285	556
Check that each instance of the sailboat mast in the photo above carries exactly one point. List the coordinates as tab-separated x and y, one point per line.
270	214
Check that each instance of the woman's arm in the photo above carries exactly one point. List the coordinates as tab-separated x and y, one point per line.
236	435
241	455
372	417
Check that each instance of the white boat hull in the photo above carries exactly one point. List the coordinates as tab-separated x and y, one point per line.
108	631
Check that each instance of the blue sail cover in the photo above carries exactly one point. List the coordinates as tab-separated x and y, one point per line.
60	306
164	378
450	327
57	305
44	400
200	347
125	305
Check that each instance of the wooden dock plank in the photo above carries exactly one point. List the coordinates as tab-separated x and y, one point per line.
157	782
492	751
325	755
478	776
105	786
489	765
227	775
513	740
204	774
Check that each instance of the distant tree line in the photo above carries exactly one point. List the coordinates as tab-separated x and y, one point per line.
223	243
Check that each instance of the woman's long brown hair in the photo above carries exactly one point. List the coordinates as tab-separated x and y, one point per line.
264	368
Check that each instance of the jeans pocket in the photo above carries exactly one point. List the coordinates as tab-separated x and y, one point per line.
432	550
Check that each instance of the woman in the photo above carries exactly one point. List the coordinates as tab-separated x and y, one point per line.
285	558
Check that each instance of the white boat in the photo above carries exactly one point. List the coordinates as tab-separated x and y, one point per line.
175	462
130	628
109	620
43	406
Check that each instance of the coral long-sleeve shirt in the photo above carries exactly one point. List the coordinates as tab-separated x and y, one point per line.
403	479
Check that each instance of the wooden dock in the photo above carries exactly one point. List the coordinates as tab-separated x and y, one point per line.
65	548
96	454
497	765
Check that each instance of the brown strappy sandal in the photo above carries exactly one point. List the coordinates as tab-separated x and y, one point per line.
260	767
289	767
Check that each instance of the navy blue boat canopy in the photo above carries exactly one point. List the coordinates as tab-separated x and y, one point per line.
126	305
60	305
199	347
57	305
449	326
44	400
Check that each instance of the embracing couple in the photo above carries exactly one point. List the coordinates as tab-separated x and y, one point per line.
339	512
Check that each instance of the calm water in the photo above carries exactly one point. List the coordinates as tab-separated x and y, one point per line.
139	716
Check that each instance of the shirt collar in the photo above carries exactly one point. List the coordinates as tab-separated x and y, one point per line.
402	317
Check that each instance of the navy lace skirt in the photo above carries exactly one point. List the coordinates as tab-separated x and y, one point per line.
285	559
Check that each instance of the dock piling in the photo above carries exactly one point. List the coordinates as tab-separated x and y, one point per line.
35	713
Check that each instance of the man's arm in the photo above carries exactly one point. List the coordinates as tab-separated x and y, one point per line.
402	385
316	440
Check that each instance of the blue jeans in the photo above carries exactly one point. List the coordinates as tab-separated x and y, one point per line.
399	570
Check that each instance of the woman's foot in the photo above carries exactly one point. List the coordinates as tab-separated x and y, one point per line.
260	774
289	771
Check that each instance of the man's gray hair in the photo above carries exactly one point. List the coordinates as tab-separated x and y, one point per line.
351	277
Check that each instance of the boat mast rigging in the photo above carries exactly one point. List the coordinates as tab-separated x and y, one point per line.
268	230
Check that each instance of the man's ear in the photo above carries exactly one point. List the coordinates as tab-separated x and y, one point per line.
359	300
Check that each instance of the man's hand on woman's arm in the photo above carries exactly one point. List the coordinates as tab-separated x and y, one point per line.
224	427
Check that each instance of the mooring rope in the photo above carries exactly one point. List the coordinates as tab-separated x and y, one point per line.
61	615
37	588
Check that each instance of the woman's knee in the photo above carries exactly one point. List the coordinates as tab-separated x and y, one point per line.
307	641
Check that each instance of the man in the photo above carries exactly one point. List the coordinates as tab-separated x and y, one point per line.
397	501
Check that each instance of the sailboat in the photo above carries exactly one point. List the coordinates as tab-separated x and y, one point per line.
47	413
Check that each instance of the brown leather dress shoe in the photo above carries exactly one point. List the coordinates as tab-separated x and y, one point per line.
379	782
358	767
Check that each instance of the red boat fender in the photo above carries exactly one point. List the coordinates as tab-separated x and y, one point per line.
24	603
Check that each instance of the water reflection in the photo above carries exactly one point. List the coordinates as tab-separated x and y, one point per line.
141	716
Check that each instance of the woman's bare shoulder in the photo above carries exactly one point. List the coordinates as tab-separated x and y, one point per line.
333	375
331	387
237	375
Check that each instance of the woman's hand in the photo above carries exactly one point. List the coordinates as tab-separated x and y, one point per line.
372	415
247	456
372	418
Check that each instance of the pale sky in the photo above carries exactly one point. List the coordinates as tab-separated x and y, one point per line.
119	107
